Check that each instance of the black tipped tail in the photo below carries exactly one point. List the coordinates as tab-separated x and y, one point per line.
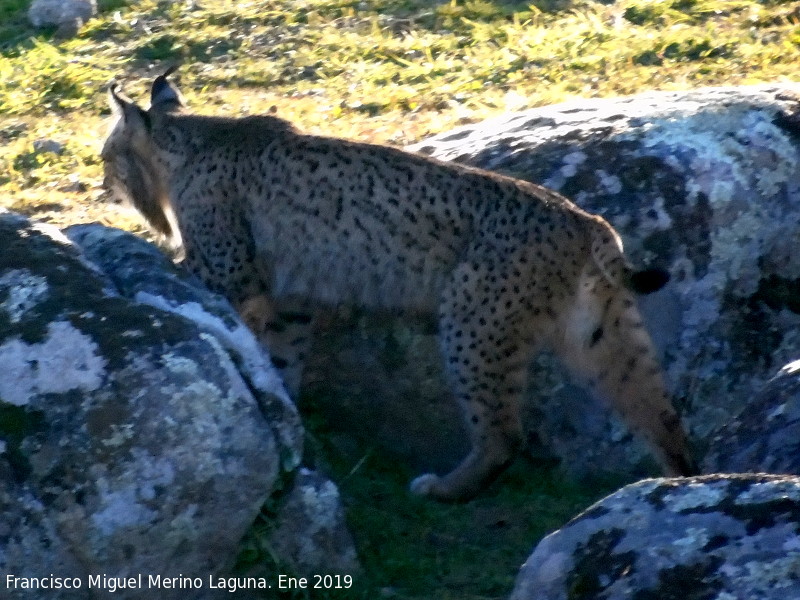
648	281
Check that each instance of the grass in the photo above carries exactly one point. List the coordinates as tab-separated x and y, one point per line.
415	549
380	70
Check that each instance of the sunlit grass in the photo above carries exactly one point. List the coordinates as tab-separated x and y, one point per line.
383	70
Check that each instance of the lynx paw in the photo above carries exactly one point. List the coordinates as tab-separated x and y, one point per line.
424	484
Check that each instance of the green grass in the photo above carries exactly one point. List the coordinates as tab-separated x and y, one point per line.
388	71
416	549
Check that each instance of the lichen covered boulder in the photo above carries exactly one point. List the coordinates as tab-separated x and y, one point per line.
719	536
141	272
309	533
130	440
765	436
705	184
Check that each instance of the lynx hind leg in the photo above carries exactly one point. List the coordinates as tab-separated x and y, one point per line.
605	343
485	361
285	328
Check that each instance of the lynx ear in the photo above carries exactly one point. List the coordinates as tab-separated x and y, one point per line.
126	109
116	100
164	95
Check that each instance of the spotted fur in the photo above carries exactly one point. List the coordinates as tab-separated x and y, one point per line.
281	222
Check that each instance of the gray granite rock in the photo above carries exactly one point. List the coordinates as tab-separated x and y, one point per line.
132	440
721	537
765	436
45	145
142	273
68	14
310	534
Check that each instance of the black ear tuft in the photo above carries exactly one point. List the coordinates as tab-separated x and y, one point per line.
126	109
116	99
649	280
164	93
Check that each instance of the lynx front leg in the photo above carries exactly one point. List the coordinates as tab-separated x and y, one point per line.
606	344
486	364
220	251
285	328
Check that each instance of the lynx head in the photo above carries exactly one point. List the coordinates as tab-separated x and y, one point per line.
131	171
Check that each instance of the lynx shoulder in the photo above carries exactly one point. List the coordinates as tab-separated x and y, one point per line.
274	218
